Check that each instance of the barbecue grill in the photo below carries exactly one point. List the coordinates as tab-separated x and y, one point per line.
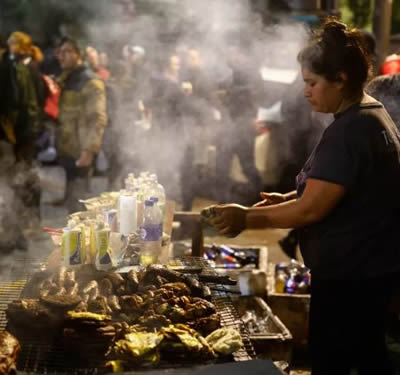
52	357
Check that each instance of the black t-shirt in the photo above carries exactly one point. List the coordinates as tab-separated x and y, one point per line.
359	237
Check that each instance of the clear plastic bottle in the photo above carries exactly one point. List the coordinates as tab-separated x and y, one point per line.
140	206
127	212
150	234
156	190
157	207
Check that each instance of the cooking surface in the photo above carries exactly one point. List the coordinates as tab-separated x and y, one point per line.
43	357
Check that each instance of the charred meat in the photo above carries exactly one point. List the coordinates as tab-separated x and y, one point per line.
9	349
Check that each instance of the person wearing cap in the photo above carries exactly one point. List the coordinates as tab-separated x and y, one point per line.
82	120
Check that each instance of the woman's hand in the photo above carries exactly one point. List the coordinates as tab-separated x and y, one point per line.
230	219
270	198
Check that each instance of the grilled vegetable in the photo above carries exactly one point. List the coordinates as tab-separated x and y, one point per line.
225	340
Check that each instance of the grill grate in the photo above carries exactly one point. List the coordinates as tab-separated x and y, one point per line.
45	357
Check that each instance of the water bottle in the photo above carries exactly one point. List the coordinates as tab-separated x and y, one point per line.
155	189
157	207
150	234
127	213
140	206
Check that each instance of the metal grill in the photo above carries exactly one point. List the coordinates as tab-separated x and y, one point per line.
45	357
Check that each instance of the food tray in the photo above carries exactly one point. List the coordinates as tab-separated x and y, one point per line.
275	341
41	357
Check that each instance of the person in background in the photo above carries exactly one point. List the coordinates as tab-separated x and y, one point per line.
386	89
164	109
346	206
51	65
104	61
93	60
21	118
237	133
198	118
82	120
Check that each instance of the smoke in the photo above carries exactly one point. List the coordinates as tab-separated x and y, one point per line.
216	28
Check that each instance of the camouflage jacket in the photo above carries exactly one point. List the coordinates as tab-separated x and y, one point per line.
19	106
83	114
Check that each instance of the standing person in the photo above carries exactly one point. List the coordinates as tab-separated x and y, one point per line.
346	206
165	109
21	109
198	109
386	89
93	60
237	135
82	120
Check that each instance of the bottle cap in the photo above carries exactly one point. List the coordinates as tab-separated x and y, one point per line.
148	203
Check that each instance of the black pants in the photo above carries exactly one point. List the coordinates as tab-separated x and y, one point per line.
347	326
77	183
238	140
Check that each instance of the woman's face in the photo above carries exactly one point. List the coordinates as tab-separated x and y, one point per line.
324	96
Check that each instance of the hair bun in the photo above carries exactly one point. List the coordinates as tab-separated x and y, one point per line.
334	32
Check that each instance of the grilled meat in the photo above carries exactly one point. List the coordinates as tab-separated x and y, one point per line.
72	288
207	324
116	279
106	287
62	301
91	285
99	305
154	321
9	349
131	303
113	302
132	282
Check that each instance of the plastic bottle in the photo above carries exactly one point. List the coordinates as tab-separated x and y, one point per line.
280	279
139	206
127	213
157	207
73	246
150	234
291	283
156	190
102	240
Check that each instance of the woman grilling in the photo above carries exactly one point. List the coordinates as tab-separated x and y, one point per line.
346	206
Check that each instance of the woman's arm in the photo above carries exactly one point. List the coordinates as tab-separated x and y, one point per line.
318	199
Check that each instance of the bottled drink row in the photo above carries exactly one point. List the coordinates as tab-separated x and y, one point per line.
138	209
292	278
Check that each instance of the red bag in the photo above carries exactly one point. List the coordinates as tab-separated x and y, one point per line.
391	65
53	97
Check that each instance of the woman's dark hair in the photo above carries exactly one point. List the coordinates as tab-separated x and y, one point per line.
335	49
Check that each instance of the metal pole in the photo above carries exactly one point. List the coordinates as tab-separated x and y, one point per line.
381	27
